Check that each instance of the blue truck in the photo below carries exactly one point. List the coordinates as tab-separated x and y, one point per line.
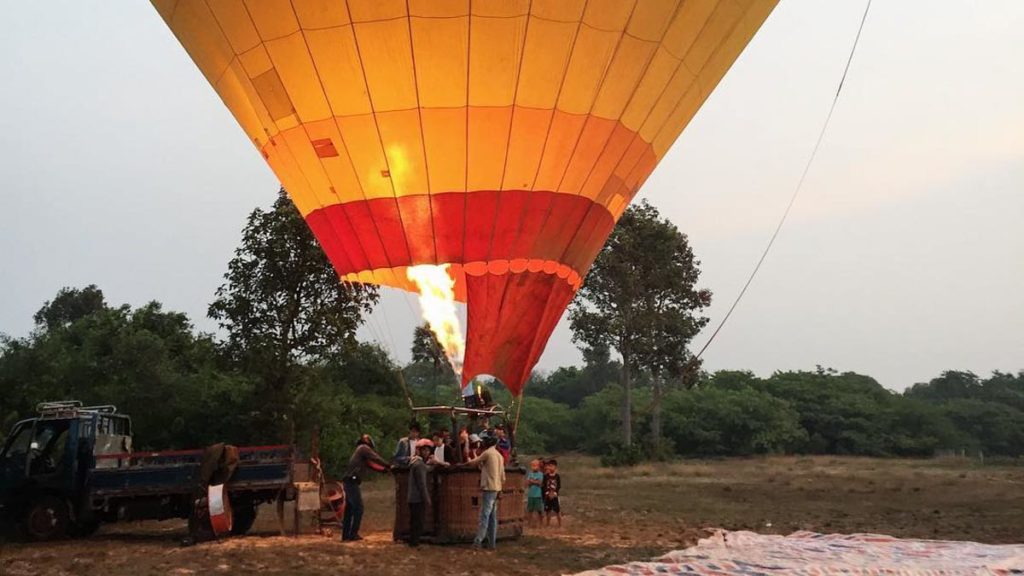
72	467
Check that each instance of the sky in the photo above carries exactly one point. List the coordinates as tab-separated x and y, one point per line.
903	256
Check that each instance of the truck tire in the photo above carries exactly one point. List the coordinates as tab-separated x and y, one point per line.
243	515
46	518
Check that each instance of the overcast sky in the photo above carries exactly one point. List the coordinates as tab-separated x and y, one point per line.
903	257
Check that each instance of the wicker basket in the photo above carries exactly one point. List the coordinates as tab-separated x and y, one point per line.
456	511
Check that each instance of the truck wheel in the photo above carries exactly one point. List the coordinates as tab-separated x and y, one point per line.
243	515
47	518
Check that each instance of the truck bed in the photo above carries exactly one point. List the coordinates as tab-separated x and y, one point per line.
260	468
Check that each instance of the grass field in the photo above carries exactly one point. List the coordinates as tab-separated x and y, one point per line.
613	515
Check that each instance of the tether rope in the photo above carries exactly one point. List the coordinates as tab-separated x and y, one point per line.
796	191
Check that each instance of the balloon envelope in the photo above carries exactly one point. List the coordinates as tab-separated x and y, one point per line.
502	137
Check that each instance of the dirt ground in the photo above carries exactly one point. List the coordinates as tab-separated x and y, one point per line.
612	516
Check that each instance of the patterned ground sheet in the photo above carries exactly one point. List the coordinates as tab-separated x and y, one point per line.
811	554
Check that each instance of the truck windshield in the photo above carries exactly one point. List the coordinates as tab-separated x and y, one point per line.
49	443
19	441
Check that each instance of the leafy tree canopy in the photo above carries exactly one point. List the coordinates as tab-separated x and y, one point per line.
282	301
69	305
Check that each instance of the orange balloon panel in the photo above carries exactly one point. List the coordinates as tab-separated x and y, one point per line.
503	137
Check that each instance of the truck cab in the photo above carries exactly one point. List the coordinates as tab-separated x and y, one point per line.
46	460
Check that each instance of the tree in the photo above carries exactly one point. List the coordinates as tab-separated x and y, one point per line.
731	380
430	368
570	385
722	422
914	428
1005	388
283	306
992	428
640	298
426	349
842	413
69	305
547	427
951	385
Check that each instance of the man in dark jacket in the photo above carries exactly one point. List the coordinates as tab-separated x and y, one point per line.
418	494
363	459
406	447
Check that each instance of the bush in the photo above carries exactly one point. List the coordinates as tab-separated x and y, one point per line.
547	427
619	455
725	422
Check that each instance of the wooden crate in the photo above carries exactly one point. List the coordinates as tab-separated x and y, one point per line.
456	511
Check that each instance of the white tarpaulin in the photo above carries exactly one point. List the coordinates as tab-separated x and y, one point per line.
808	553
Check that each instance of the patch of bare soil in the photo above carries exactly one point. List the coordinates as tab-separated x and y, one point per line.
613	516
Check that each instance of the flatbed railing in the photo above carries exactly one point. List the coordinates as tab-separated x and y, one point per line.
269	453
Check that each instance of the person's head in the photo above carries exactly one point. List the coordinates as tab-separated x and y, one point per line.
489	441
414	430
535	465
366	440
499	431
424	448
474	440
444	432
551	466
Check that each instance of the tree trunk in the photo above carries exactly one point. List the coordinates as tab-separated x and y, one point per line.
656	416
627	403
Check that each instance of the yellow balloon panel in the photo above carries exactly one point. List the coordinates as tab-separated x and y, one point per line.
591	56
444	138
650	18
495	47
558	10
441	49
321	14
272	18
237	26
386	54
376	10
545	54
340	70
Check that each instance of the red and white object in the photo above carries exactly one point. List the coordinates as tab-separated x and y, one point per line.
220	509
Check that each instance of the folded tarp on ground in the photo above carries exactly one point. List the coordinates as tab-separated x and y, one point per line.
808	553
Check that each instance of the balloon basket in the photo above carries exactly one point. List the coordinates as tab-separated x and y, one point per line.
455	514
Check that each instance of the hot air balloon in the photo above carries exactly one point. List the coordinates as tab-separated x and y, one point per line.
502	138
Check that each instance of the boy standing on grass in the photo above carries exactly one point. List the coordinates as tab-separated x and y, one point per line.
534	493
552	486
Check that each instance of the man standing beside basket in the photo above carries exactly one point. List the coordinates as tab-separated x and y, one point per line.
492	478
